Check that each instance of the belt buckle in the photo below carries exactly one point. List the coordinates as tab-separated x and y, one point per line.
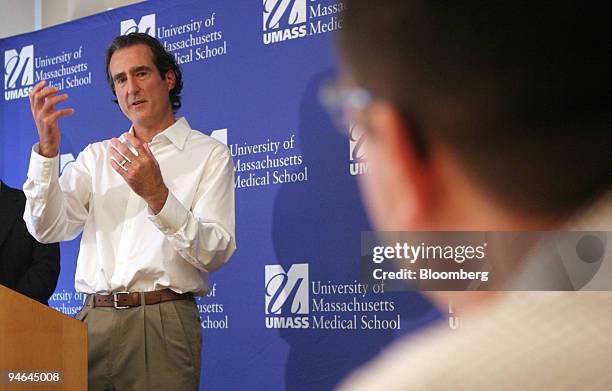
116	300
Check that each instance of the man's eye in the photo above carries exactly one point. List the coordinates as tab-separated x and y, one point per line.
141	74
119	80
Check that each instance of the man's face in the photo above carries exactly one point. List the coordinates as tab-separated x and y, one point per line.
142	93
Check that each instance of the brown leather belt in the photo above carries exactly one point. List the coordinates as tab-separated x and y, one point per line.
121	300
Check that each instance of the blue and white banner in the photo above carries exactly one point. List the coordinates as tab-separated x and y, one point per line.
288	310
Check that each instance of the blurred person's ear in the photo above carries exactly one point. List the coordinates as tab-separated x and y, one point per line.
398	188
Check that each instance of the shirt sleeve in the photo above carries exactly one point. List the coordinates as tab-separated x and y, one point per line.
204	235
56	208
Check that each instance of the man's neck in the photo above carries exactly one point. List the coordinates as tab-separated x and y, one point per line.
146	133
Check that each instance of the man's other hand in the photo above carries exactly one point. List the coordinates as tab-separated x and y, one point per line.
42	102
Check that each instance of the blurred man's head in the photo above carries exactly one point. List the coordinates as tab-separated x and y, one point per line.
482	115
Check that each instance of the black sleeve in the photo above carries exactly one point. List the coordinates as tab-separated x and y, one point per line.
40	279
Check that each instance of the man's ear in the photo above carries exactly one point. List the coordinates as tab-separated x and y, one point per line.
408	169
170	79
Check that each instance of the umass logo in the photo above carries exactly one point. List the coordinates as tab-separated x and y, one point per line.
286	298
357	151
18	72
145	25
283	20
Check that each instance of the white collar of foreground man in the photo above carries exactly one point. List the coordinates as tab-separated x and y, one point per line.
177	133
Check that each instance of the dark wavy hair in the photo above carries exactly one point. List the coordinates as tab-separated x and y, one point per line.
163	60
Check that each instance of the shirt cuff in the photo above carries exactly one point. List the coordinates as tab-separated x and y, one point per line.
43	169
171	217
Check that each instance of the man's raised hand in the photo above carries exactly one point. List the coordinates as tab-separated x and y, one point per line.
42	103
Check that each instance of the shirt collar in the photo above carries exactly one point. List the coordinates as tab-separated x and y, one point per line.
176	133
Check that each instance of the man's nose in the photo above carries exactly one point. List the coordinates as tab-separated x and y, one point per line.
132	85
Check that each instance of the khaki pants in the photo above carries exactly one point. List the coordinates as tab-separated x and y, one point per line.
150	347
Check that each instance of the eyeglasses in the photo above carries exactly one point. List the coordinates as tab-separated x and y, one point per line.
344	104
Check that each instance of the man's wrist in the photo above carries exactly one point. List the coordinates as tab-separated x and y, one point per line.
157	203
47	151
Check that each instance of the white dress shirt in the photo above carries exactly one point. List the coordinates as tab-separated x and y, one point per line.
125	247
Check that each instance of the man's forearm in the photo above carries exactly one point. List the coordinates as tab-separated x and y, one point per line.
49	217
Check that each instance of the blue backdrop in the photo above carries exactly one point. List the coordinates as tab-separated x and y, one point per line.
287	311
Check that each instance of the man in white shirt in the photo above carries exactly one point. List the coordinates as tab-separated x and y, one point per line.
156	208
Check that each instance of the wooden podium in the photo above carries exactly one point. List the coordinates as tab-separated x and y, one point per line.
37	339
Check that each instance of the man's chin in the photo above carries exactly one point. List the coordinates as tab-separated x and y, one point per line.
138	118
